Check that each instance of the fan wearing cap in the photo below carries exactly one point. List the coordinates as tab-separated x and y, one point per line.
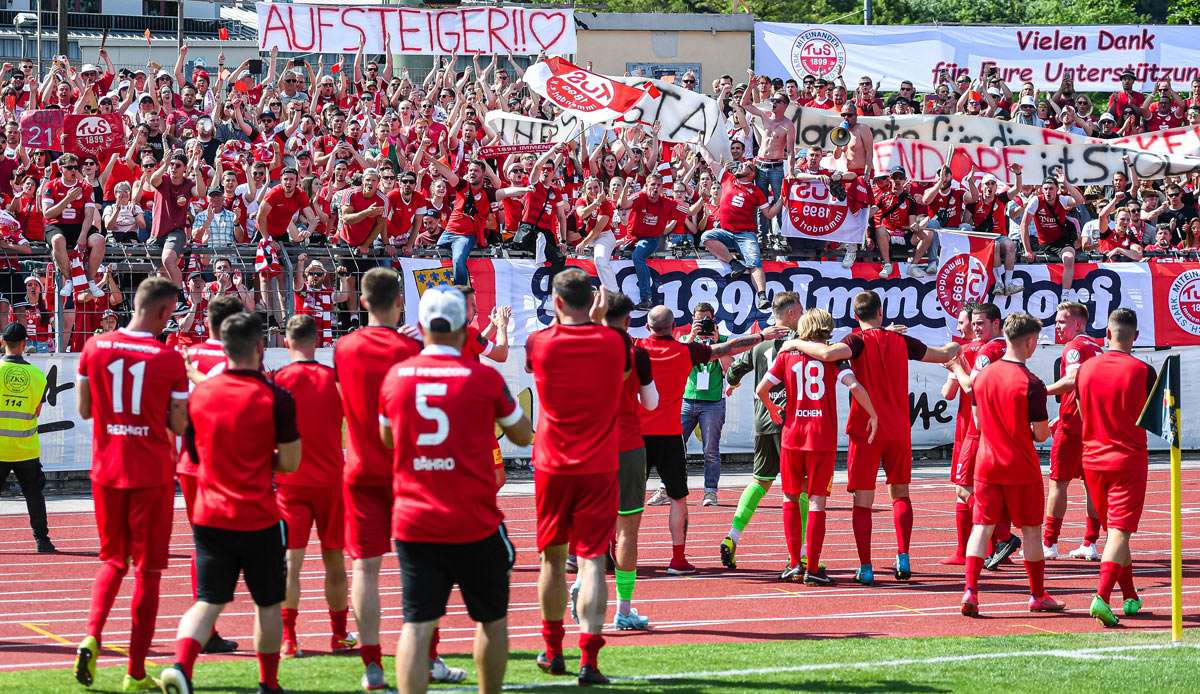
1056	231
988	214
171	196
315	298
437	412
897	223
1127	98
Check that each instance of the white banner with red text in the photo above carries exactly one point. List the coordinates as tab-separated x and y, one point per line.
330	28
1092	56
921	143
812	211
66	439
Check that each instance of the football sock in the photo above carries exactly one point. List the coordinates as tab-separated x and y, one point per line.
1052	530
962	523
289	623
337	622
860	520
974	567
678	556
625	582
371	653
589	649
747	505
144	610
1128	591
816	539
552	634
1091	533
268	669
791	530
1110	571
433	643
902	520
1036	571
186	652
104	591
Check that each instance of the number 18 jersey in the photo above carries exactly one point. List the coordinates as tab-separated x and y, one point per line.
810	415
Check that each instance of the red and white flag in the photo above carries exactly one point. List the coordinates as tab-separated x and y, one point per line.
590	97
266	260
811	211
965	270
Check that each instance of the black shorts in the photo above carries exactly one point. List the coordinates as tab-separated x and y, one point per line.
259	555
631	481
667	454
1067	240
766	457
480	569
70	232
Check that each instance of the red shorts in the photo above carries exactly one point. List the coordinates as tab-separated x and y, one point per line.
807	472
302	506
863	461
187	485
135	523
368	520
962	472
1066	456
1024	502
579	508
1118	496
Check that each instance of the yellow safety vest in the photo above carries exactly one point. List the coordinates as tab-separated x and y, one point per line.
22	386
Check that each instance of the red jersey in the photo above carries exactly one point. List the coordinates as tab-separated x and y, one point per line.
476	345
356	234
361	360
648	219
283	209
672	361
209	359
879	358
1008	398
1049	218
1078	350
442	409
319	420
235	422
132	379
29	214
587	224
628	418
471	209
56	191
949	207
895	211
990	216
1112	390
977	356
579	371
737	210
539	205
401	215
810	415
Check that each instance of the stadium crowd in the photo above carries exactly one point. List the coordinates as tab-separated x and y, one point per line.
283	188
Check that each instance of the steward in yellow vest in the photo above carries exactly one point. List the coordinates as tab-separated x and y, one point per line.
22	391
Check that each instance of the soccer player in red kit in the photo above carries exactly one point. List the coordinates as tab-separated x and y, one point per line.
662	428
879	358
950	390
205	360
1111	390
437	410
479	343
579	369
236	525
1066	448
1010	410
809	437
135	389
361	359
312	495
639	393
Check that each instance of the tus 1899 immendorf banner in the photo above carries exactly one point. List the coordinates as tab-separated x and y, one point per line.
1093	56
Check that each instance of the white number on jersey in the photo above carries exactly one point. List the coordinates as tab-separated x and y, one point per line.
434	414
117	369
811	377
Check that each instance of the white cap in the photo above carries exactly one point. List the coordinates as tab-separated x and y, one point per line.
994	91
88	68
163	73
989	178
1027	101
1107	116
443	309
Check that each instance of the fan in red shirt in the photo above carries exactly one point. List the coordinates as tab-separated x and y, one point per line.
437	411
1056	230
405	207
361	360
540	212
880	359
651	214
1066	449
472	205
988	347
809	436
135	389
1010	410
236	524
1112	389
364	213
740	203
274	218
68	207
897	224
310	495
579	369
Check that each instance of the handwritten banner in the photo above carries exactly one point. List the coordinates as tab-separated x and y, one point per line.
1093	56
96	136
302	28
497	151
41	129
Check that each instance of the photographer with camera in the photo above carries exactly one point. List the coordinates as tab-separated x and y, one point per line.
704	398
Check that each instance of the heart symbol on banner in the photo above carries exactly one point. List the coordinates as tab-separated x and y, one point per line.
547	19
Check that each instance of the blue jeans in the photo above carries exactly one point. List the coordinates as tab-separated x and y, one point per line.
641	251
768	179
460	249
743	242
711	417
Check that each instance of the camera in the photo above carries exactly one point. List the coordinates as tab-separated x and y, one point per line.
707	326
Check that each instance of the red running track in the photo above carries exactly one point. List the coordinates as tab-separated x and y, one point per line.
44	599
